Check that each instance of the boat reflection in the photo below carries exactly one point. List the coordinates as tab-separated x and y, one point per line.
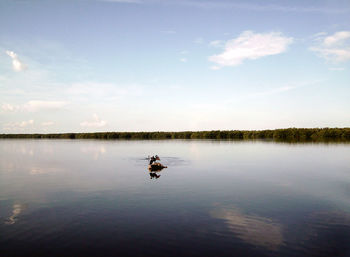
154	175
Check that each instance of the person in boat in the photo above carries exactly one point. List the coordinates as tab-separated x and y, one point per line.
152	160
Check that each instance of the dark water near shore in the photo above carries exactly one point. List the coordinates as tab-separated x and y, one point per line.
216	198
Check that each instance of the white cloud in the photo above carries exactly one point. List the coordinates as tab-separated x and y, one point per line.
184	52
336	69
318	35
37	105
26	123
17	65
337	38
285	88
199	40
183	59
216	43
275	91
9	107
94	91
251	46
95	122
33	106
215	67
334	48
47	123
13	126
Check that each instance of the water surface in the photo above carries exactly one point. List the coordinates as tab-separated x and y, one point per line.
216	198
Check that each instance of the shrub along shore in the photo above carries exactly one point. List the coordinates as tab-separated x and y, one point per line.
288	135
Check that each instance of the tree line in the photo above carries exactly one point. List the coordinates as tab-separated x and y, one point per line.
289	134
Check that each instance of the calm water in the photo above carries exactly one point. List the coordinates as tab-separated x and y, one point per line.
216	198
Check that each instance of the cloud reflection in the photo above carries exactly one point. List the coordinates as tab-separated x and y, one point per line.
326	219
253	229
17	209
44	170
95	150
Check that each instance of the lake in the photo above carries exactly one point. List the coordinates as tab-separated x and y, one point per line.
216	198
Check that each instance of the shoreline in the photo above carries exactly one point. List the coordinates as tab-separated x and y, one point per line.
279	135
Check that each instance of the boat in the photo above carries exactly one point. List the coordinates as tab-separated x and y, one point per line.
156	166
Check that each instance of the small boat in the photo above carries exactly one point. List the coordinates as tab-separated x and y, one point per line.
156	166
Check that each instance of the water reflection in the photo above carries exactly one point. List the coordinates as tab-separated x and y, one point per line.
275	200
253	229
154	174
95	150
168	161
321	224
44	170
336	217
17	209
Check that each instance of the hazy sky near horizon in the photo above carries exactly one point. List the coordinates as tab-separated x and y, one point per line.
171	65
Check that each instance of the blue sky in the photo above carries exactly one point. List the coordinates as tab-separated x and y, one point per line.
172	65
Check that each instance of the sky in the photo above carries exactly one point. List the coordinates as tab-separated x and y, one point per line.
173	65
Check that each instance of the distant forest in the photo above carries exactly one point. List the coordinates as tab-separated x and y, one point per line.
287	135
